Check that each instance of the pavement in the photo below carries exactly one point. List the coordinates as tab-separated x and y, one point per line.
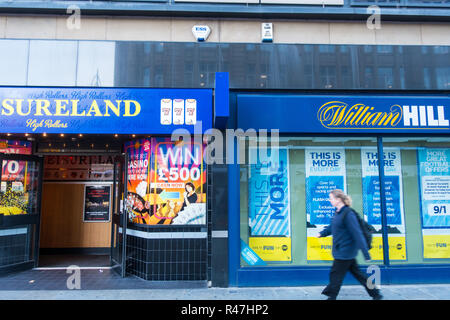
106	284
390	292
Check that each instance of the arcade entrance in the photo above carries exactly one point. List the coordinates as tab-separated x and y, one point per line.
137	206
56	206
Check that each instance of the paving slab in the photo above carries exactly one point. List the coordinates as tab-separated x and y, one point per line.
391	292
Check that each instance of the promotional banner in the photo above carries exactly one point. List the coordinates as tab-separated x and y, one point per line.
271	248
249	256
434	178
13	170
14	185
394	201
325	171
96	203
166	182
269	206
104	110
15	178
178	182
138	176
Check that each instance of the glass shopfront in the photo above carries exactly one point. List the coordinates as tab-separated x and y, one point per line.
287	234
285	205
425	172
335	142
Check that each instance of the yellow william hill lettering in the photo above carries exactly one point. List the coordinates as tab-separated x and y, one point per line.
339	115
69	108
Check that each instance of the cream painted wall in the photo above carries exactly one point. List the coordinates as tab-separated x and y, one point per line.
223	30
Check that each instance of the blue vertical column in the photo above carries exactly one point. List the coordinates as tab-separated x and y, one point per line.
221	100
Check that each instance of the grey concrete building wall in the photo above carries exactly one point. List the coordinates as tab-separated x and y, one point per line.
222	30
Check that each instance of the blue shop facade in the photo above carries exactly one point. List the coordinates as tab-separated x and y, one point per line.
259	208
278	198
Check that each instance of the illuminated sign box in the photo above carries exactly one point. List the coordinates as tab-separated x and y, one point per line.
104	110
345	114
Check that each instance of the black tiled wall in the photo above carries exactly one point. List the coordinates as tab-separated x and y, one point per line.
168	259
13	249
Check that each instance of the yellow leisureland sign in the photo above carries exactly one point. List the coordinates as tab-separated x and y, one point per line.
272	248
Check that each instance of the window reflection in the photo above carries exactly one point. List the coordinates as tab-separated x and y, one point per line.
443	77
193	65
96	63
385	78
52	63
13	62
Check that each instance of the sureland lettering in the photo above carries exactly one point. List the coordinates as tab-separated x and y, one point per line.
69	108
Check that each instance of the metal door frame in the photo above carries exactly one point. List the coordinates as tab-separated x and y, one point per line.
119	217
25	219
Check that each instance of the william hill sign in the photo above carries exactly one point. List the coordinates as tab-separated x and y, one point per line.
345	114
55	110
340	115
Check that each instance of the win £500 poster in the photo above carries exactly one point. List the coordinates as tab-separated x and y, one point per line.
166	182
